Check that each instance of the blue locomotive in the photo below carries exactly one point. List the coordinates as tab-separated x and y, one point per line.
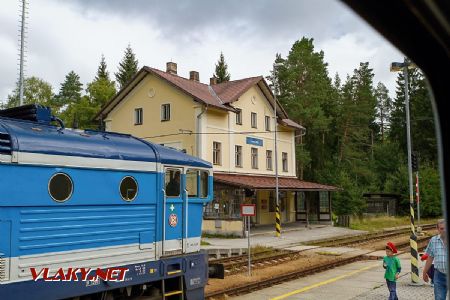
97	213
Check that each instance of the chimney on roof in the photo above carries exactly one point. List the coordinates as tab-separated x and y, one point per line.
194	75
171	68
213	80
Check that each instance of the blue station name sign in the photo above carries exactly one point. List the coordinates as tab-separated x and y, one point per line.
254	141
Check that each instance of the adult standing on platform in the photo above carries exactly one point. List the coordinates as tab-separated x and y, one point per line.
437	253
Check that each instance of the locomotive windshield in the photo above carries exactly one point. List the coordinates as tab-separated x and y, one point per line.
172	183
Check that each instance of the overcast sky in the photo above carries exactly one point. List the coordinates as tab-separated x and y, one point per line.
72	35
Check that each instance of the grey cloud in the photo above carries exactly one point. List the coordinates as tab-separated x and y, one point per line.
264	19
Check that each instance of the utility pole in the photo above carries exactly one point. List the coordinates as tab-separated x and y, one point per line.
396	66
275	92
22	52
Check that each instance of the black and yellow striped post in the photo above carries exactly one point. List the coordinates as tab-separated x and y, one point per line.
397	66
278	221
413	246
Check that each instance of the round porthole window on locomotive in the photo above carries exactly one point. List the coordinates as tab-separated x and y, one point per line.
60	187
128	188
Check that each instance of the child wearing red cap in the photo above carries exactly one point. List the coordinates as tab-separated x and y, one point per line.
393	268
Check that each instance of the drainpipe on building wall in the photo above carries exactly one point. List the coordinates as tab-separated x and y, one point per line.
199	130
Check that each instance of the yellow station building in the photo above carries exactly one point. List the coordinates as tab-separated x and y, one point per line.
231	125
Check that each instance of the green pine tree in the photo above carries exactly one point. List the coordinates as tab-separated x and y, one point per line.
384	108
128	67
102	73
305	92
221	73
70	90
102	88
421	117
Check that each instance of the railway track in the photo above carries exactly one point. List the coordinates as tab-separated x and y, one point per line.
237	264
368	237
253	286
241	264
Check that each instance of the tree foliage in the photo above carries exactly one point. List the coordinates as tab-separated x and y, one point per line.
355	132
128	67
102	88
35	90
305	91
383	109
221	73
102	73
70	91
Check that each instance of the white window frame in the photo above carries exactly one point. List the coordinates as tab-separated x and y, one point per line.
267	123
217	153
254	158
238	116
269	164
165	112
238	156
254	120
138	116
284	161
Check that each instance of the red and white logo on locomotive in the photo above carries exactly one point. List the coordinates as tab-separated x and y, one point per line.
173	220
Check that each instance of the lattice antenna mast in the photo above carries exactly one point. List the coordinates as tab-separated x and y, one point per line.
22	37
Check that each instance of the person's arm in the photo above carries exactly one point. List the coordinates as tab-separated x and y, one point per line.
399	268
426	268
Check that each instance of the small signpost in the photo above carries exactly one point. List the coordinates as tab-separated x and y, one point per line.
247	211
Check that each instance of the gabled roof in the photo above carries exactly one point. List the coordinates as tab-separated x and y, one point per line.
219	96
199	91
230	91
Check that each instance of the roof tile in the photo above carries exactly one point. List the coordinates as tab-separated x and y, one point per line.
269	182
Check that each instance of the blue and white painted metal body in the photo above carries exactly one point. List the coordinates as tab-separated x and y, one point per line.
95	227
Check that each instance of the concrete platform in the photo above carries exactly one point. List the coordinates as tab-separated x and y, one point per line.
359	280
294	237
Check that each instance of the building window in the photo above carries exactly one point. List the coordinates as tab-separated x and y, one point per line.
301	202
217	153
254	120
254	158
269	159
284	159
238	156
238	116
325	203
165	112
267	118
226	204
138	116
